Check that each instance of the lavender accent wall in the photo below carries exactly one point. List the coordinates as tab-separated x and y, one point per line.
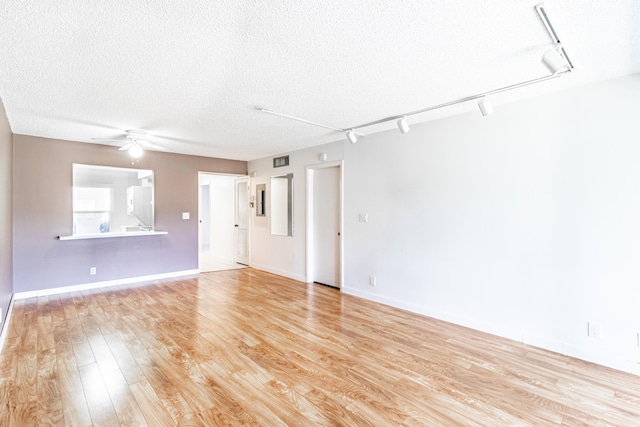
6	198
42	182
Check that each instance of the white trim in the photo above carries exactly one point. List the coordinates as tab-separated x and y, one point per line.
61	290
108	235
629	366
308	228
309	218
438	314
289	275
5	325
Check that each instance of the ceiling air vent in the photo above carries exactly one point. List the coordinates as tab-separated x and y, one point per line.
278	162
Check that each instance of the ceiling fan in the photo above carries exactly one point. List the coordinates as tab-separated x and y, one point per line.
136	142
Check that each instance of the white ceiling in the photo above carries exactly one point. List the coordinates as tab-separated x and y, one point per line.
191	72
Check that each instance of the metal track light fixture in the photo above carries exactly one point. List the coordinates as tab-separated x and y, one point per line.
403	125
555	59
351	136
486	108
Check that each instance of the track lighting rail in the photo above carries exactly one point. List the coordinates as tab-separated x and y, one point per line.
457	101
264	110
555	59
552	31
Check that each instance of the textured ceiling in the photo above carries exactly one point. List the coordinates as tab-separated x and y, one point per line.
191	72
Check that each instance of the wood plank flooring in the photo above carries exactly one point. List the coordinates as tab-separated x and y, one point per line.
244	347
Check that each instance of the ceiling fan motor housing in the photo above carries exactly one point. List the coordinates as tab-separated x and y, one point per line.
135	135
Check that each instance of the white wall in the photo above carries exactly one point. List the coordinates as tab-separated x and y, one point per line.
281	254
525	224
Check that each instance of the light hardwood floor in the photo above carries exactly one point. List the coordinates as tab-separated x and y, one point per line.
208	262
244	347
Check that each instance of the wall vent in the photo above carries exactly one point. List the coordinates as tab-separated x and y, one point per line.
281	161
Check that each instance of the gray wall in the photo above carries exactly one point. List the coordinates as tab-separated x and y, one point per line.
6	200
42	183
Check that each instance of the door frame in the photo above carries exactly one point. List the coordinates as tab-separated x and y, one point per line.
309	218
234	177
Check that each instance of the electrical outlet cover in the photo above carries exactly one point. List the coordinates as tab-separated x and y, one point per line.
595	330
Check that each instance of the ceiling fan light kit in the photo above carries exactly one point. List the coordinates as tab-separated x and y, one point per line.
136	151
554	59
134	148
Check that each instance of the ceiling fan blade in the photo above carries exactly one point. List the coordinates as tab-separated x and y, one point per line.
151	146
109	140
132	138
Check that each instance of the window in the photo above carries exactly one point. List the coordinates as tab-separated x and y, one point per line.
92	209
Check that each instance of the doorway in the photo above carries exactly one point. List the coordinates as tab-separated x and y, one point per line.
217	242
324	224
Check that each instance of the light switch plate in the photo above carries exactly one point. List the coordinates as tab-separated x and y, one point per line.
185	215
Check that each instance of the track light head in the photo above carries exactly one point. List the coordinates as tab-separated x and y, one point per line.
351	136
486	108
136	151
403	125
554	61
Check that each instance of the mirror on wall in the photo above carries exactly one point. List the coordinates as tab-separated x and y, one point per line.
261	193
111	200
282	205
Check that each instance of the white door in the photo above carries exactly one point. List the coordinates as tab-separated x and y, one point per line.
204	218
327	226
242	221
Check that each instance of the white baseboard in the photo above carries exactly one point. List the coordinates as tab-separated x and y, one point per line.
511	334
298	277
5	326
629	366
94	285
